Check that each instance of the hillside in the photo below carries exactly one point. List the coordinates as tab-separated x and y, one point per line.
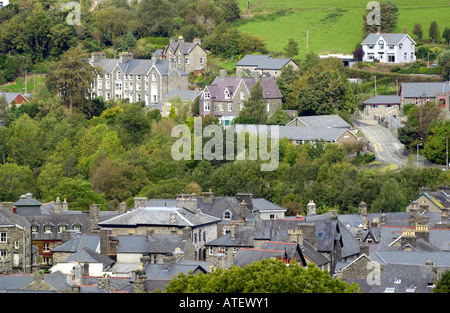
334	26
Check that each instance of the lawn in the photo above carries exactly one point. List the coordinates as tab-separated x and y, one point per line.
334	26
19	86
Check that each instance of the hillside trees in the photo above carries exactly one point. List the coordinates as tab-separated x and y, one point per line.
388	19
71	78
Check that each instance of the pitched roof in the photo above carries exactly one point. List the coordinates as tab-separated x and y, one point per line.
160	216
219	85
426	89
321	121
8	218
90	256
243	238
263	62
79	242
136	66
296	133
383	99
390	39
185	95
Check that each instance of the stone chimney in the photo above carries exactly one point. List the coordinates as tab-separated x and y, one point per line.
94	214
243	209
207	196
8	206
168	261
233	231
187	201
248	197
295	235
122	207
97	56
172	64
405	31
140	202
422	232
180	39
171	40
311	208
57	206
223	73
383	219
334	214
197	41
104	283
86	268
65	206
124	56
408	236
365	223
378	30
362	208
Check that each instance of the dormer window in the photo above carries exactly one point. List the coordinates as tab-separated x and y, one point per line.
381	44
207	95
227	94
227	215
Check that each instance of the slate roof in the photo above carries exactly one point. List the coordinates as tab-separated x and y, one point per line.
160	216
440	258
131	244
390	39
11	96
79	242
185	95
425	89
322	121
14	283
69	219
263	62
8	218
243	238
219	85
90	256
219	205
136	66
247	256
403	278
165	243
383	99
296	133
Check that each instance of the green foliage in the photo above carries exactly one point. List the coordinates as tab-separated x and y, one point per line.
271	276
291	49
255	108
390	199
434	31
443	284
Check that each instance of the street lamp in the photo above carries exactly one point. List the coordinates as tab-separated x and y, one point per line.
446	151
419	144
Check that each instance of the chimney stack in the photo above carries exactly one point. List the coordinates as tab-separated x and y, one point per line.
122	208
197	41
97	56
187	201
223	73
243	209
65	206
57	206
311	208
207	196
94	214
405	31
378	30
140	202
124	56
362	208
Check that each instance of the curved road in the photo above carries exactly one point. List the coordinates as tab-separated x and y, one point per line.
386	145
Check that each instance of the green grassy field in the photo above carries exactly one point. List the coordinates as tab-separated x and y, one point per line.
334	26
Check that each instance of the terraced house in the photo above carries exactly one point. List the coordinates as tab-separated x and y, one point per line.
189	56
146	80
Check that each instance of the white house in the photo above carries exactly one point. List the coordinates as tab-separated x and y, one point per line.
4	3
389	48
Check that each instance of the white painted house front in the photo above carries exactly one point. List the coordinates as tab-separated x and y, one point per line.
389	48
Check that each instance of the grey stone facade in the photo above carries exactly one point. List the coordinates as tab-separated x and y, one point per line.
137	80
188	56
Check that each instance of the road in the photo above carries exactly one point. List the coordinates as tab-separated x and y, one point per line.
385	144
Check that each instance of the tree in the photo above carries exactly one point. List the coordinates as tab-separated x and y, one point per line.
446	35
130	41
390	198
433	31
15	180
255	108
71	77
231	10
418	31
443	284
388	19
267	275
78	193
291	49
